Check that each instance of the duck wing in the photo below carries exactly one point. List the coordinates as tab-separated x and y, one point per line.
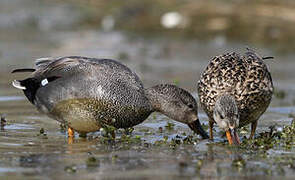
257	89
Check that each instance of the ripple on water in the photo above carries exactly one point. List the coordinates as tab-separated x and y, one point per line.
18	126
283	110
11	98
7	170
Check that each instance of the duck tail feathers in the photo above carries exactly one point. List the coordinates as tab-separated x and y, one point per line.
17	84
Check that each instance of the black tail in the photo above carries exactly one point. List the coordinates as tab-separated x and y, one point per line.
31	85
23	70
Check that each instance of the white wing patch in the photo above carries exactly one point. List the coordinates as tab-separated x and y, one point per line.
44	82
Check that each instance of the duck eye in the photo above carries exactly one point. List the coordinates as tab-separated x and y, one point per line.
190	106
221	117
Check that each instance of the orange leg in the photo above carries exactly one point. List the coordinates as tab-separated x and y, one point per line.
211	129
253	129
71	132
70	140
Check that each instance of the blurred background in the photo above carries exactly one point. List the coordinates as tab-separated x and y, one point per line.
163	41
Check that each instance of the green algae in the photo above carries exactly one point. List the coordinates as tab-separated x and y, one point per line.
169	126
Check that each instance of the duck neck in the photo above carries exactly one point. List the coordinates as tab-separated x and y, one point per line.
226	103
226	99
154	98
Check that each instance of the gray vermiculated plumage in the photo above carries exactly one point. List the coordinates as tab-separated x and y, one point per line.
88	93
88	89
246	78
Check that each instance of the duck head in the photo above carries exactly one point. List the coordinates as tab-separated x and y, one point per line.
178	104
226	116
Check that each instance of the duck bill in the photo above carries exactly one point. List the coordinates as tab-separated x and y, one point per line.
197	128
232	137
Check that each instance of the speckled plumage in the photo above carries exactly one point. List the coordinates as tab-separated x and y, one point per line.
246	78
88	93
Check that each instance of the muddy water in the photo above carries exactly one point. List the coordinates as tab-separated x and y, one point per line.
153	150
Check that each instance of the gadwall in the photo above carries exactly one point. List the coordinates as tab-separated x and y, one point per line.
234	91
88	93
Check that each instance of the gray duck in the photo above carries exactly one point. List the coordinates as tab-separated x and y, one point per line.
88	93
234	91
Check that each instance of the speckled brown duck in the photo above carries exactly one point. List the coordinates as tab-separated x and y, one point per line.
88	93
234	91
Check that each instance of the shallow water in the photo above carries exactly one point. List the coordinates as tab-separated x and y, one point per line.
149	153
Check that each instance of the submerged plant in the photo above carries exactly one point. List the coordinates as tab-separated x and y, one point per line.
170	126
108	131
92	162
266	140
274	137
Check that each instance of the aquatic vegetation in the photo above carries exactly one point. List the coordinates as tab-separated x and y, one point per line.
274	137
3	120
244	130
42	133
92	162
238	163
125	138
129	130
176	82
71	169
108	131
280	94
170	126
176	141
